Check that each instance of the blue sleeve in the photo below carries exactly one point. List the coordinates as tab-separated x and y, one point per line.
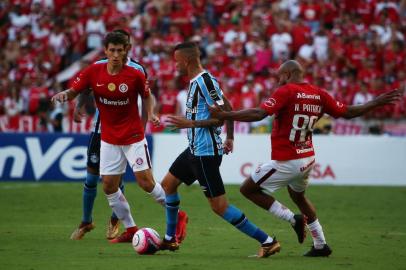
210	90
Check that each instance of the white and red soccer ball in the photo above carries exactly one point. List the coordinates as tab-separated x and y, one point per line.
146	241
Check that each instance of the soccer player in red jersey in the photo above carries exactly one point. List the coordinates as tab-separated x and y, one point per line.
116	87
297	106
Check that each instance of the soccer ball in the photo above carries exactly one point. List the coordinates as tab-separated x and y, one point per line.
146	241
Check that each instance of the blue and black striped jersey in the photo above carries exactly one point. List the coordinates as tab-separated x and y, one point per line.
204	91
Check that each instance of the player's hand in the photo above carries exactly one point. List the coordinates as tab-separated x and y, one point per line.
216	112
154	120
178	122
78	114
228	146
61	97
390	97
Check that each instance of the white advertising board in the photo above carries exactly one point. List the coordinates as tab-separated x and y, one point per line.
340	160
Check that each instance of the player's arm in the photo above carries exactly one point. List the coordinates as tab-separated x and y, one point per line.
179	122
64	96
149	102
78	112
382	100
79	84
247	115
228	144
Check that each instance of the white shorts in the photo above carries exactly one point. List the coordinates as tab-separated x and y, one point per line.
113	158
274	175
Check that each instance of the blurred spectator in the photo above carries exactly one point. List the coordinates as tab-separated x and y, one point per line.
354	49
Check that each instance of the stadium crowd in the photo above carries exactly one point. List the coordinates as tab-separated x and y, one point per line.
353	48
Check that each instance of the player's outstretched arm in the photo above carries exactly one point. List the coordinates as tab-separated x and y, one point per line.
382	100
179	122
64	96
248	115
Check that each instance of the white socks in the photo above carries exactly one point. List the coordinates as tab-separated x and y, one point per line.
158	194
317	233
121	208
282	212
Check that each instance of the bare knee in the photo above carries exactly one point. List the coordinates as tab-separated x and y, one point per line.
145	180
249	187
170	184
110	184
219	205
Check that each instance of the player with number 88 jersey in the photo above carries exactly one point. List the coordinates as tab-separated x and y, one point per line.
297	106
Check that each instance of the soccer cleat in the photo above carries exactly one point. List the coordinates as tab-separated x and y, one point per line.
125	237
181	226
323	252
113	228
300	227
80	232
269	249
170	245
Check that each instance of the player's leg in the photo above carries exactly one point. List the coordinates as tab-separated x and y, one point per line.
113	224
320	247
208	175
112	166
180	171
138	156
269	176
89	187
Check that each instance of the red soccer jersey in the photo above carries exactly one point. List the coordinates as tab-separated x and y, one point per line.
297	107
116	98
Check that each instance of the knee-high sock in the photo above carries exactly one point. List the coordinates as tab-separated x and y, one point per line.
317	234
158	194
172	206
89	195
282	212
235	217
121	208
113	215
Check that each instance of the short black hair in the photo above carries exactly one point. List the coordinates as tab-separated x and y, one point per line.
186	45
115	38
191	49
123	32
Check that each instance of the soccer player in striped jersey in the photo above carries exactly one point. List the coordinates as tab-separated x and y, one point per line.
201	160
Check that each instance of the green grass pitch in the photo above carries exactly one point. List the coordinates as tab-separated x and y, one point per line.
365	226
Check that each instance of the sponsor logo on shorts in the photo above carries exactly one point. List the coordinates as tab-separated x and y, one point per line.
123	88
139	161
94	158
258	169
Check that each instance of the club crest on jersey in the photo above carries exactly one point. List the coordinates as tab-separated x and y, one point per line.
270	102
213	94
139	161
111	87
123	88
339	104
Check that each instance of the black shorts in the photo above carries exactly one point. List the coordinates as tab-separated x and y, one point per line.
93	151
206	169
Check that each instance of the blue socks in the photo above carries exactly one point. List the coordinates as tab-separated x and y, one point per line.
235	217
89	195
172	207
